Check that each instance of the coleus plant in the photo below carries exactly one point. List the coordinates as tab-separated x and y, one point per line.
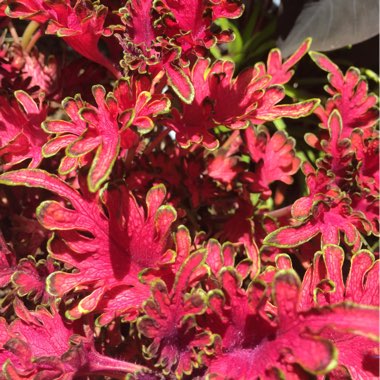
161	216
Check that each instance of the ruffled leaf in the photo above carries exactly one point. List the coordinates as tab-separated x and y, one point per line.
349	96
81	25
94	243
170	321
275	157
328	217
298	342
63	354
21	137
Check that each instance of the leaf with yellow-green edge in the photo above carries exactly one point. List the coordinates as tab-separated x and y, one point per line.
21	137
108	249
349	95
291	341
138	102
275	159
286	237
170	320
23	356
29	278
114	255
90	129
235	102
41	179
328	217
281	72
291	111
324	282
180	83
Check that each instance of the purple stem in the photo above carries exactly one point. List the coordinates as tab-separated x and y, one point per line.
103	365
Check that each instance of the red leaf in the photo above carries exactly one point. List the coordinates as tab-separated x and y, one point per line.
324	285
298	342
7	262
81	25
137	98
170	322
280	71
350	97
240	228
222	100
21	137
180	83
62	354
90	129
191	22
29	278
134	237
275	157
328	217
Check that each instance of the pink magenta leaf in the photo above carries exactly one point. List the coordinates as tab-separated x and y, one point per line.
63	354
170	322
7	262
251	98
91	128
21	137
192	22
292	111
275	157
361	285
349	96
253	355
363	280
247	346
109	146
180	83
291	236
30	276
327	216
81	25
279	71
39	178
140	239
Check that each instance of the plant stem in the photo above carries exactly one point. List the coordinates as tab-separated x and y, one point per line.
157	141
106	366
28	33
13	32
231	139
33	41
281	212
130	156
